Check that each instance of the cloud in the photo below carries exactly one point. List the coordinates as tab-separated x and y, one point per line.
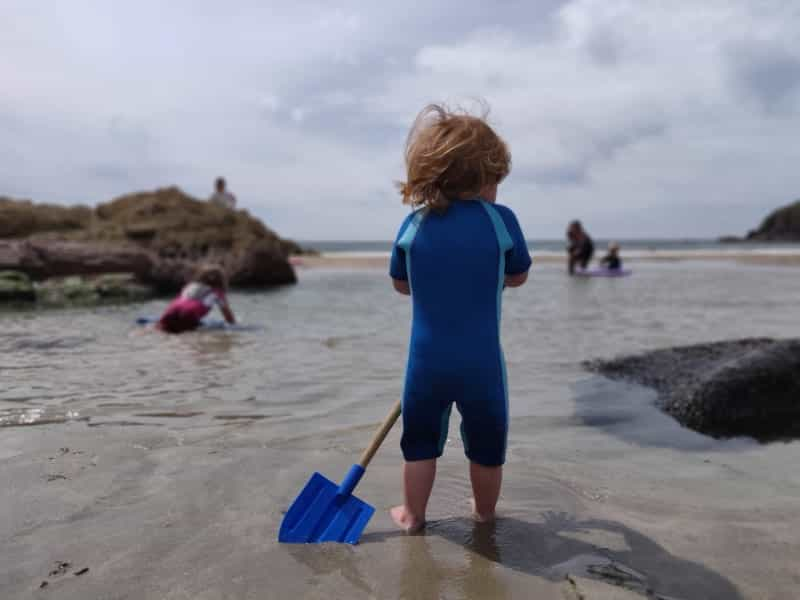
614	109
768	73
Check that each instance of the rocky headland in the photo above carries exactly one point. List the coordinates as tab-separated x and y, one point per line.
136	246
746	387
781	225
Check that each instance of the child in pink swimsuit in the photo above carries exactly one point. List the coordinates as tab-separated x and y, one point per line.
195	301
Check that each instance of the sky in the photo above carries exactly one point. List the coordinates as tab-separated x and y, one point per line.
643	118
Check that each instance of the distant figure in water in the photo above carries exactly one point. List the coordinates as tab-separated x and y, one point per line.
195	301
580	249
454	255
612	261
221	196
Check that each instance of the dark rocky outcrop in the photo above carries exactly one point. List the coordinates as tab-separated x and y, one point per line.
783	225
158	237
41	259
16	287
747	387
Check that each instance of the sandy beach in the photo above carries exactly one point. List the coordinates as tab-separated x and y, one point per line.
381	261
159	468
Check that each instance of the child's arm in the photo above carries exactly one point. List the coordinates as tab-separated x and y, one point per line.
227	313
397	263
516	280
518	259
224	307
402	286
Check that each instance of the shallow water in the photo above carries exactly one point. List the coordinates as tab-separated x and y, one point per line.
333	347
589	459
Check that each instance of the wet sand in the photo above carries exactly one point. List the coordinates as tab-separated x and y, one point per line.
193	513
353	261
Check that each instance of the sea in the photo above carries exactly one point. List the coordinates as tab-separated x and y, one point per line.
640	248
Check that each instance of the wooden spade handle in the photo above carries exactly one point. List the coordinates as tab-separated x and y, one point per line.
380	435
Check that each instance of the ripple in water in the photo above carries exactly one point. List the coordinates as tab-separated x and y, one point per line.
24	417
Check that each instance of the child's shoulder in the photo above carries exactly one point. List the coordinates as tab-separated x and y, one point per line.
508	215
415	216
504	210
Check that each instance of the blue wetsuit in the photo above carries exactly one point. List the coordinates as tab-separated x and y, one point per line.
456	263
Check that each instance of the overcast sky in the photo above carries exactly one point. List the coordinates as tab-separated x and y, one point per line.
643	118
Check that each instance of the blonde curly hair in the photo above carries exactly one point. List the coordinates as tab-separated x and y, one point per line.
451	156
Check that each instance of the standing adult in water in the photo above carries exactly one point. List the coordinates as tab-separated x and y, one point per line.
580	249
221	196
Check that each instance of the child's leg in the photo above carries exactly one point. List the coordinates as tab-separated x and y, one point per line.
485	490
418	479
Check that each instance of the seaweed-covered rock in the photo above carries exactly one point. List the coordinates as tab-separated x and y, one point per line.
122	287
745	387
16	287
88	291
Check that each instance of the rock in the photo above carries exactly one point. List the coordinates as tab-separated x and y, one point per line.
67	291
122	287
744	387
260	265
161	236
21	218
783	225
169	276
292	248
88	291
16	287
41	259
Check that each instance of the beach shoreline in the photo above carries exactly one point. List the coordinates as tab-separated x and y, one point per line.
378	260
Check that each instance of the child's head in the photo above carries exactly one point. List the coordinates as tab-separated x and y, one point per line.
613	248
451	156
213	276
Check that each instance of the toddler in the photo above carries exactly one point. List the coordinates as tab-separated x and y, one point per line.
454	255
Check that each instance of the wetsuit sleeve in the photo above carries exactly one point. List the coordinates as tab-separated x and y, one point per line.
397	265
518	259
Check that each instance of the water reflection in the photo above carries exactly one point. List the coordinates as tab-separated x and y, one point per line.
429	574
629	412
21	417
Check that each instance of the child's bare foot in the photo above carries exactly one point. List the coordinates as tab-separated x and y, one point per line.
405	520
481	517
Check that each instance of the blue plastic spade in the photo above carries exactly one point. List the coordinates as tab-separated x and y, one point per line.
327	512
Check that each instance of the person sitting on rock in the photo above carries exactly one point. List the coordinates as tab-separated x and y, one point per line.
221	196
195	301
612	261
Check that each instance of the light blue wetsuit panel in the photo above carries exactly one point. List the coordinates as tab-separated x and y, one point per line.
456	263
